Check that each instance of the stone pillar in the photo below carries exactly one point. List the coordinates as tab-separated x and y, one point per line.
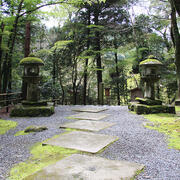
33	92
101	93
149	90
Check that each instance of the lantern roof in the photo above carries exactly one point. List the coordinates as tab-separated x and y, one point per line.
31	60
150	61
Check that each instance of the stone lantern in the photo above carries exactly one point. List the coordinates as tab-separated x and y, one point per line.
32	106
31	77
150	74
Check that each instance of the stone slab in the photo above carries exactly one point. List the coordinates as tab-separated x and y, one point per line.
87	125
89	116
91	109
87	168
83	141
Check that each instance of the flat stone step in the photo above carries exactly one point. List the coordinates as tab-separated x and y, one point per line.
83	141
90	109
87	168
89	116
87	125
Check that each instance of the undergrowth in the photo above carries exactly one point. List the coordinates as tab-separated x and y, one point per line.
168	124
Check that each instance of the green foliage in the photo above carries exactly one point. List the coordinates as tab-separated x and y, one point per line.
6	125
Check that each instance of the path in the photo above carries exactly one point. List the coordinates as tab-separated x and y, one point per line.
135	144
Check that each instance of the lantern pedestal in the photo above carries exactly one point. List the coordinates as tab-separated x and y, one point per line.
150	109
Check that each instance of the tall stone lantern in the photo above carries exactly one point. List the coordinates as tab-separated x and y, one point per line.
150	74
150	70
31	77
32	106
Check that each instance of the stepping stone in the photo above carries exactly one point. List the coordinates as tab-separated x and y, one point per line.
90	109
89	116
87	125
86	167
83	141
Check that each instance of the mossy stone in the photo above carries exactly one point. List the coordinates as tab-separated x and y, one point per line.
32	111
131	106
31	60
150	62
35	129
149	101
146	109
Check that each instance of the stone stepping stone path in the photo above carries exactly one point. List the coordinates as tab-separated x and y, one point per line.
87	168
89	116
83	141
87	125
93	110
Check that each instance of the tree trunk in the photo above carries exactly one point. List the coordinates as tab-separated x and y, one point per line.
177	6
27	39
98	55
117	72
8	75
26	54
1	51
176	38
86	61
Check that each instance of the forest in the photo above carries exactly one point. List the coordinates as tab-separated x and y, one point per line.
94	42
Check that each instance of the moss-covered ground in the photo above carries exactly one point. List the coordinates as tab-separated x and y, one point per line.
20	133
41	156
168	124
6	125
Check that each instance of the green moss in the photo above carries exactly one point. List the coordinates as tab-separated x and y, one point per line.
168	124
147	109
31	111
21	133
137	173
30	129
6	125
42	156
31	60
177	108
35	129
102	150
149	101
150	61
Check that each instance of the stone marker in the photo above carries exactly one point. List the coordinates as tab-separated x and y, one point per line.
89	116
86	167
83	141
87	125
90	109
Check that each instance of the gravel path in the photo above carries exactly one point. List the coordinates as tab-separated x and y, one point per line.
135	144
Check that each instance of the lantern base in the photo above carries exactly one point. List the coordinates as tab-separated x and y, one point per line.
32	111
177	102
148	101
34	103
150	109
